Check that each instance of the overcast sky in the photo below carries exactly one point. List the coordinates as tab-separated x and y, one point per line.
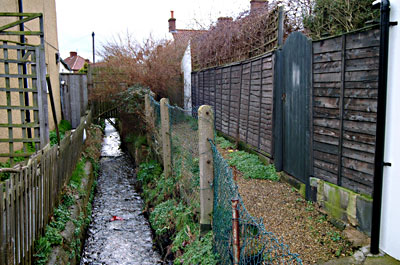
77	19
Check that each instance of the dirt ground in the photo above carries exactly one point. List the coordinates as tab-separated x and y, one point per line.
299	223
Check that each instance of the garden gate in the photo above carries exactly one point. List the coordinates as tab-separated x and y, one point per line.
296	104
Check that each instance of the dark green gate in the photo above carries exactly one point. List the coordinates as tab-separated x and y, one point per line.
296	104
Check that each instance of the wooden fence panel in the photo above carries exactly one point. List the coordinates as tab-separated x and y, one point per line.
241	95
345	73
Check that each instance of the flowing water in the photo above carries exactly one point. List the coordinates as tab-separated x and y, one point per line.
118	233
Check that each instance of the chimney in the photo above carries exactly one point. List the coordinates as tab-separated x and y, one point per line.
257	5
72	54
171	22
224	20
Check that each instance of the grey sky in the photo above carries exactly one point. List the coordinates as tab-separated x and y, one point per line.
77	19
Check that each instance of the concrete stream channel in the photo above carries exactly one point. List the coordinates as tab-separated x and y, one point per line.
118	233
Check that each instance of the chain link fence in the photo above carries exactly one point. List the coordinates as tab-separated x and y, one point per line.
257	246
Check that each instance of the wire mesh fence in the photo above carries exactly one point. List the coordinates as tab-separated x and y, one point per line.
257	246
185	154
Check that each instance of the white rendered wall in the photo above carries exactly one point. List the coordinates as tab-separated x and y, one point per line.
186	66
390	218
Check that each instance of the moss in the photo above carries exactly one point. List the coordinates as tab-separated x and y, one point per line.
334	203
302	190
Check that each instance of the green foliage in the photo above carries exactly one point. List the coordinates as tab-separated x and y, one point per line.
42	251
334	17
53	236
78	174
63	127
161	219
184	236
223	143
68	200
84	69
61	217
199	252
148	172
251	166
174	220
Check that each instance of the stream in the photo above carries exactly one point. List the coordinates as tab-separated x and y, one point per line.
118	233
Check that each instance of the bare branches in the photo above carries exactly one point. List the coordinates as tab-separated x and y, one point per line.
153	63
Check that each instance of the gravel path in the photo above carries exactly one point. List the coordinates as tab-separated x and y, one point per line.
126	241
299	223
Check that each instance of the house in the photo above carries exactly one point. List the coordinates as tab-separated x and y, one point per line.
48	39
64	67
187	35
186	65
75	62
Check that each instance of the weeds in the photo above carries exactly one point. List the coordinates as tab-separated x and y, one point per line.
223	143
251	166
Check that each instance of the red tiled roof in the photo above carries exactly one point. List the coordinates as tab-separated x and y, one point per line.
75	62
186	34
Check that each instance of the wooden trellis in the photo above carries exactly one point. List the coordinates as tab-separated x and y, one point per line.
23	89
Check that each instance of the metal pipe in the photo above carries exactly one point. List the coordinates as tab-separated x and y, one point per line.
380	126
235	232
24	71
93	48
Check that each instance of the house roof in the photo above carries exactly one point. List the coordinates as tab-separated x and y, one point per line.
75	62
186	34
65	65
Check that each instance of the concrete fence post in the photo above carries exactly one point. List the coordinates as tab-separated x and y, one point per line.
166	137
148	119
206	164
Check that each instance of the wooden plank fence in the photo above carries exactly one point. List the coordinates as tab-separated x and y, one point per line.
28	197
344	102
74	97
242	98
345	92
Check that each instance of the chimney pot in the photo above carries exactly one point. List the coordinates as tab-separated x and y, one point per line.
171	23
72	54
223	20
256	5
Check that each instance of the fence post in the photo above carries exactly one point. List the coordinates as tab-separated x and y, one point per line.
148	121
206	132
166	137
235	232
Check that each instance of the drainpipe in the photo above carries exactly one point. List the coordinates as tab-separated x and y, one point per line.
24	71
380	126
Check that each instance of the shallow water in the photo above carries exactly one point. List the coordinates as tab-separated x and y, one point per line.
126	241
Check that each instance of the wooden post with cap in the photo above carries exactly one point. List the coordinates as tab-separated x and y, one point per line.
206	164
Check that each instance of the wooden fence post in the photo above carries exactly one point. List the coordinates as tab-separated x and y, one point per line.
206	132
166	137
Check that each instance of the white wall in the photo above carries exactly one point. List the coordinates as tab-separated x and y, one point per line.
186	66
390	218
